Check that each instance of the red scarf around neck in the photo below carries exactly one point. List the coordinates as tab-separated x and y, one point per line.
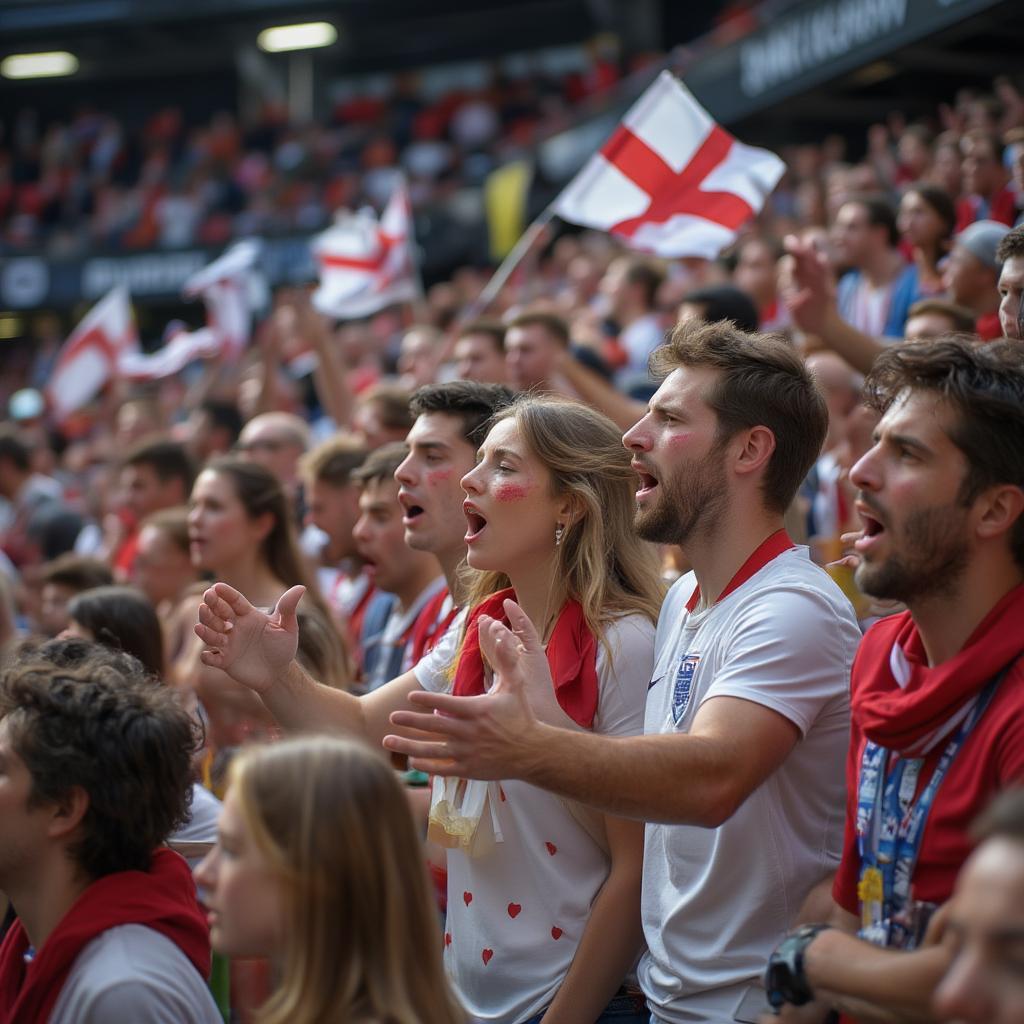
903	718
571	651
162	898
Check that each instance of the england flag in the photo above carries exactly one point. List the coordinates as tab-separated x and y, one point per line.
670	181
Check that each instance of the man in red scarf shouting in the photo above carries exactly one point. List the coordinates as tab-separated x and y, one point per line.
95	773
937	711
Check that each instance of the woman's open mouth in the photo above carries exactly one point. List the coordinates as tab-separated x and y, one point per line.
475	522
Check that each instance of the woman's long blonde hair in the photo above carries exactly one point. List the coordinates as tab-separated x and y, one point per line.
362	941
602	563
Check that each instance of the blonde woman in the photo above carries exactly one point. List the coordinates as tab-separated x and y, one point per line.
543	897
318	867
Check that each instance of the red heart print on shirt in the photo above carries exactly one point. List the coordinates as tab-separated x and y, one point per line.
467	898
447	938
551	848
556	932
514	910
486	956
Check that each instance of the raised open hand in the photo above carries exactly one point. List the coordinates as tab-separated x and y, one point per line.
488	736
252	646
516	655
811	292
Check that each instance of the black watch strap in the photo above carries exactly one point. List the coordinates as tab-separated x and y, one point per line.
784	978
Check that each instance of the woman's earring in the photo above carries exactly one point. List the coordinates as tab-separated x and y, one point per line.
559	533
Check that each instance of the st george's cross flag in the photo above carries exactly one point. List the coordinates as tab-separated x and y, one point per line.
366	265
90	356
226	286
670	181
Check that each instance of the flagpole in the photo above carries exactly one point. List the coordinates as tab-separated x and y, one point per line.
508	266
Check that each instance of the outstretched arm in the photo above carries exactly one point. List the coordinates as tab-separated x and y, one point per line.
257	649
733	746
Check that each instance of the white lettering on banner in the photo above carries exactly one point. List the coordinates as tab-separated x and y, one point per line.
815	38
154	274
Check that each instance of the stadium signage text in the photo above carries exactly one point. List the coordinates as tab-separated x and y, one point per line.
814	38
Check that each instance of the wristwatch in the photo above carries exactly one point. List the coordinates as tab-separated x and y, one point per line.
784	978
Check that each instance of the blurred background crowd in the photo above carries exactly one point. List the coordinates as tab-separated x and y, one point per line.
893	214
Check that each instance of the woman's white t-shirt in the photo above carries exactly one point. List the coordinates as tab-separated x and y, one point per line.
517	912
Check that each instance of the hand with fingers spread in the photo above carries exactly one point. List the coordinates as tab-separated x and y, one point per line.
516	654
252	646
489	736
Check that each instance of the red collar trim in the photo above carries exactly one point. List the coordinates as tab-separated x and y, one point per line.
765	552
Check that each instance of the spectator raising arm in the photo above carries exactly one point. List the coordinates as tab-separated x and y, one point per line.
812	304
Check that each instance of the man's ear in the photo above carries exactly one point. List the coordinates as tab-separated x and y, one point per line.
999	508
68	812
753	448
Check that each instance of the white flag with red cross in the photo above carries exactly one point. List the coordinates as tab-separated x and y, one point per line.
670	181
91	355
366	264
227	287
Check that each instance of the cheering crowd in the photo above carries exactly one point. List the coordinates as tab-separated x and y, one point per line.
647	649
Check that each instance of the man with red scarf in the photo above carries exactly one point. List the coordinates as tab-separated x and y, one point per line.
937	712
95	774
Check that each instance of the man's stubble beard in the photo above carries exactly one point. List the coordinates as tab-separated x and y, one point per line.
939	556
691	503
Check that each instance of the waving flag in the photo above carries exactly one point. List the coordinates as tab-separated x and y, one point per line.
226	286
670	181
91	355
366	265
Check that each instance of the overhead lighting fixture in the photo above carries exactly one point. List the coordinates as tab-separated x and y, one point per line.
307	36
53	64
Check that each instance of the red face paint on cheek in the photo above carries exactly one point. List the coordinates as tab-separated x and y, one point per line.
511	492
681	438
438	476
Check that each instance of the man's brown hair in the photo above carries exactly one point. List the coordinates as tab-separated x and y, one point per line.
762	382
646	274
168	459
471	402
334	461
82	716
77	572
381	463
1011	245
493	329
392	404
961	318
172	523
984	386
550	322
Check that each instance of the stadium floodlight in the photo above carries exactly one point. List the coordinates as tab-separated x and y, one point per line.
53	64
307	36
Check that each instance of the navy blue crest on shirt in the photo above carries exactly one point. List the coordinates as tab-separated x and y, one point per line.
683	685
